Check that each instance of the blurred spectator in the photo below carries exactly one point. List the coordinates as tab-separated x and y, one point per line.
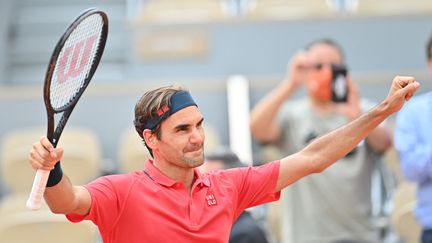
413	141
335	205
245	229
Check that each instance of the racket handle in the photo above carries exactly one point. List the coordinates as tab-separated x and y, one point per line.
34	201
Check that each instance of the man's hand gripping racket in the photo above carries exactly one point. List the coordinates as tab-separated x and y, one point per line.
71	67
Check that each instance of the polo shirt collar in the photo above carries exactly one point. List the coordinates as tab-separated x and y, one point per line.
200	179
164	180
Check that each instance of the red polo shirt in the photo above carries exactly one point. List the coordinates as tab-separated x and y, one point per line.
147	206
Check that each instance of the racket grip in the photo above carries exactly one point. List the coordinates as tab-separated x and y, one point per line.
34	201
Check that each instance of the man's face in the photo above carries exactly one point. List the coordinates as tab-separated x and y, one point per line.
321	56
324	54
182	139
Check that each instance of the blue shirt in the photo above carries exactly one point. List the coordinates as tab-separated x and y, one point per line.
413	141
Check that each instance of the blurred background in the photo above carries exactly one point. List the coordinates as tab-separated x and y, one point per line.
215	48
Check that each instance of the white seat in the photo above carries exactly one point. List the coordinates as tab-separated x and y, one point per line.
81	159
20	225
212	139
132	153
402	217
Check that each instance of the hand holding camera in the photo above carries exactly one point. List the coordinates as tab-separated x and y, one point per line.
344	93
339	83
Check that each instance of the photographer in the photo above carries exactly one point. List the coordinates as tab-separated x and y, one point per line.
333	206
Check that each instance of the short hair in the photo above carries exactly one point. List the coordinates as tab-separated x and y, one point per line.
227	156
429	48
147	107
329	42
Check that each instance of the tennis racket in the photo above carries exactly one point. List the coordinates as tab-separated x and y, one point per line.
70	69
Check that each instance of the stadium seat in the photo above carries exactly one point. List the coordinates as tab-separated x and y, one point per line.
212	139
402	217
132	153
20	225
81	159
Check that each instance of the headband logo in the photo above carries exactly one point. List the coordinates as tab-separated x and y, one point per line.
178	101
162	110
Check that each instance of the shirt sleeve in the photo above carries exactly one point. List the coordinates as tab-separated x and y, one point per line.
415	153
106	205
255	185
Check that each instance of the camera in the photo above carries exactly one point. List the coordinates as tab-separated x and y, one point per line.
339	83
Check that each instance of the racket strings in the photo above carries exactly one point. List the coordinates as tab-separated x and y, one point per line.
75	61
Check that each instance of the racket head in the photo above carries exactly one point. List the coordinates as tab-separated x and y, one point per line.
70	69
74	60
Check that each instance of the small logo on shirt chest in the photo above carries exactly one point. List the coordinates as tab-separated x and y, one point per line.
211	199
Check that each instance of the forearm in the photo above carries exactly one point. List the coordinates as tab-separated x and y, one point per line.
379	140
326	150
60	195
65	198
263	117
329	148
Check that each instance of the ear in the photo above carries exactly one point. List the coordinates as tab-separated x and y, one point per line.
149	138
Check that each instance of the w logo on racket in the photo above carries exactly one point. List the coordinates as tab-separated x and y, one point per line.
79	56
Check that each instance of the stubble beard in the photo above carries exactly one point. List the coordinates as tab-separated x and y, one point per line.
193	162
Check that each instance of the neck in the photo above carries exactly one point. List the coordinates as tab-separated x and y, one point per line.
176	173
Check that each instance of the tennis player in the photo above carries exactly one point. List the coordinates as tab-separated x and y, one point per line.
170	200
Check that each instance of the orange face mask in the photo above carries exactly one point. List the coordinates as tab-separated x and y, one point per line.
319	84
